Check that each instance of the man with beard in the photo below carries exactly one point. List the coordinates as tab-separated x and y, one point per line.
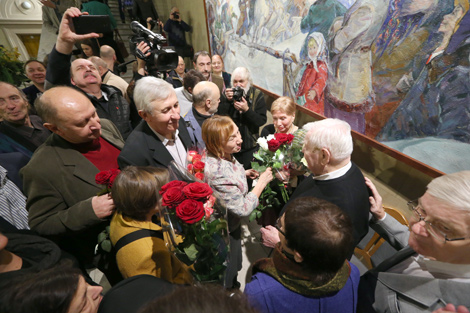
203	63
108	100
248	113
160	138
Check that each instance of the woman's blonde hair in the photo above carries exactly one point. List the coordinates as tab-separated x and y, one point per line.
216	132
284	104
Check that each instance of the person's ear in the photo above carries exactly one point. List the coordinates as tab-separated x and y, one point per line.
144	115
208	103
325	156
53	128
297	257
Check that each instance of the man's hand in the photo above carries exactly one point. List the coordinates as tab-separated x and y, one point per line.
103	205
251	173
229	94
376	207
450	308
144	49
241	106
282	175
269	236
67	36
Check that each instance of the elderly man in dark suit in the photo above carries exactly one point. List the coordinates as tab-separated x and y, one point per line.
432	269
160	138
59	181
327	149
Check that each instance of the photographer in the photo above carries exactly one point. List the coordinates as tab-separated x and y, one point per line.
247	108
176	27
84	76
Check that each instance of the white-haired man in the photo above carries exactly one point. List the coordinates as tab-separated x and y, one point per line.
327	149
160	138
432	268
248	112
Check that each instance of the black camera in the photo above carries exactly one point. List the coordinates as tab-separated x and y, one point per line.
176	15
238	93
160	58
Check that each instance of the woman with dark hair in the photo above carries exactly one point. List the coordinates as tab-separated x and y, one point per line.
135	195
89	48
228	178
58	290
309	271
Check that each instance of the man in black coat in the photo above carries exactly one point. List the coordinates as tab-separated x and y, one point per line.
160	138
327	149
108	100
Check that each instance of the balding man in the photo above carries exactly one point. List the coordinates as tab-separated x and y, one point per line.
108	77
83	75
185	93
108	55
175	77
206	99
432	268
160	138
59	181
327	149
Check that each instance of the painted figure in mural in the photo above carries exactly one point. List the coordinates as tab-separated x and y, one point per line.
319	18
311	89
437	102
402	46
349	87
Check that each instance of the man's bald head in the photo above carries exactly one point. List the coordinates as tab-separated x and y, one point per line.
100	64
206	95
70	114
107	53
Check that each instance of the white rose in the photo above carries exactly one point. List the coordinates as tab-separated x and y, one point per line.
263	143
270	137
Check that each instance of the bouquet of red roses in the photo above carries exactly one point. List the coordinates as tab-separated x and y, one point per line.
191	212
195	165
272	153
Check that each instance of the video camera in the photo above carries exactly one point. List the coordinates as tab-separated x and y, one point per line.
160	58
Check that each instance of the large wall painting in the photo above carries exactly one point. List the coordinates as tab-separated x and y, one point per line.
397	70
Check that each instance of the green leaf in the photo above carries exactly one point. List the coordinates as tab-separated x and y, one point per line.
106	245
252	216
258	157
257	167
191	252
277	165
101	237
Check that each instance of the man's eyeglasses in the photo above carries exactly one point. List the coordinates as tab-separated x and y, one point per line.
416	208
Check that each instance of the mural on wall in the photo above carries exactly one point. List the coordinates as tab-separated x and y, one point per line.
397	70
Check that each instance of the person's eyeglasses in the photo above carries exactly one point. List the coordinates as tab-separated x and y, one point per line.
278	226
416	208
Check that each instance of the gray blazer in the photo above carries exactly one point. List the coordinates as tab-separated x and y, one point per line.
380	291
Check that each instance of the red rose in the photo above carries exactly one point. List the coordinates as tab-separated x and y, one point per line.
190	211
190	168
284	138
107	177
172	197
273	145
196	158
175	183
199	166
197	191
199	176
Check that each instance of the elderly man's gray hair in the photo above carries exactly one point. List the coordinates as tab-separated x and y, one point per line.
244	73
149	89
332	134
452	189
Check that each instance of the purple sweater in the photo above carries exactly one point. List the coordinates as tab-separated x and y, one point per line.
268	296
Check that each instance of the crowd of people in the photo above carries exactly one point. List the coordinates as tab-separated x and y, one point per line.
78	119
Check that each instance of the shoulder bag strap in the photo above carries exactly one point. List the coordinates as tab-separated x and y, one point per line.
127	239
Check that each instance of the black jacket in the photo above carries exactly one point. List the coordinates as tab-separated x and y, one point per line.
58	73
